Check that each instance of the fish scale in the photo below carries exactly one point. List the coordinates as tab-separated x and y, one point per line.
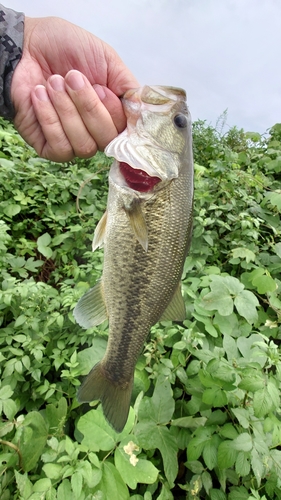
146	235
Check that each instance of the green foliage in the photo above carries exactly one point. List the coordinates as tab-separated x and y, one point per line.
205	421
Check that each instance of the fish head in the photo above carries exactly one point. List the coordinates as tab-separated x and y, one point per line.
156	141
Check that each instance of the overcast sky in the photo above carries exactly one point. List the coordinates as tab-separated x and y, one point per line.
225	53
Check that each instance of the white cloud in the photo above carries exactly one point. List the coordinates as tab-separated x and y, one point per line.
226	54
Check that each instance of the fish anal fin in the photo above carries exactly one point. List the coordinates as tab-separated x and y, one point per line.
91	309
138	224
99	235
115	399
176	308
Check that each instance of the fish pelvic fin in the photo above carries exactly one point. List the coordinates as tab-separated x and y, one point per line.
176	308
115	398
138	224
99	235
91	309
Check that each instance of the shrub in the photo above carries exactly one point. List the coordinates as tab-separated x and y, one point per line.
205	419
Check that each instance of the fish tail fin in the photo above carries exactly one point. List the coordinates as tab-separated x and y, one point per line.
115	399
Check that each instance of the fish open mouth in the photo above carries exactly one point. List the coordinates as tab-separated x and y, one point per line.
137	179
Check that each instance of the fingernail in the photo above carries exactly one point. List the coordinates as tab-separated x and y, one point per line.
57	82
75	80
100	91
41	93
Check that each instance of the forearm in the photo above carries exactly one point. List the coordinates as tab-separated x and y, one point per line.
11	43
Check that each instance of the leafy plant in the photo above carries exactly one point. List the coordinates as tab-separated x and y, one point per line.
205	421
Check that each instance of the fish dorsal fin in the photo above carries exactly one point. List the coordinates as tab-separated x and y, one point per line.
91	310
99	235
138	224
176	308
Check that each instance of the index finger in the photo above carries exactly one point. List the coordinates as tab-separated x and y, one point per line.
113	106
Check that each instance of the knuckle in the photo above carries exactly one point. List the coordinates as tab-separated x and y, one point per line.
60	150
86	149
92	106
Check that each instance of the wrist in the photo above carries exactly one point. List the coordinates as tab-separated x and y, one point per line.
11	30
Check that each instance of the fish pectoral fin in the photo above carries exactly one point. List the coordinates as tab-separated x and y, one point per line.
91	309
115	399
176	308
99	235
138	223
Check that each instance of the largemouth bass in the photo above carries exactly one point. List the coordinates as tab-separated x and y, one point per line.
146	233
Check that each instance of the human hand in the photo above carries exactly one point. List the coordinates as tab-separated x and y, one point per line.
65	90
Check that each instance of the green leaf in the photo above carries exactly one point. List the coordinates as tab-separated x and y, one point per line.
24	484
277	249
160	407
249	351
242	464
42	485
228	431
239	493
257	466
168	447
217	494
89	357
207	481
252	381
262	403
12	209
98	434
229	344
274	198
195	466
43	243
227	455
112	483
165	494
198	442
246	304
243	253
20	320
53	471
10	408
273	392
219	300
210	452
152	436
6	392
243	416
215	397
76	483
243	442
134	470
64	490
32	440
264	284
189	422
56	415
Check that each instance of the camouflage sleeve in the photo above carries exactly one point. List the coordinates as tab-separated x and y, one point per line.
11	42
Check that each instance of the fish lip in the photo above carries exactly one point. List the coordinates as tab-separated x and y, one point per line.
122	150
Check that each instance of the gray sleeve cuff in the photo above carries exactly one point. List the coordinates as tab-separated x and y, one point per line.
11	43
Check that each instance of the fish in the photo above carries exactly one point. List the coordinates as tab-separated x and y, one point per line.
146	234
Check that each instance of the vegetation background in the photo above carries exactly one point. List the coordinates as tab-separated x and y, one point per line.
205	421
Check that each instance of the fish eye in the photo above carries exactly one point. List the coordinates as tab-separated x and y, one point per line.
180	121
